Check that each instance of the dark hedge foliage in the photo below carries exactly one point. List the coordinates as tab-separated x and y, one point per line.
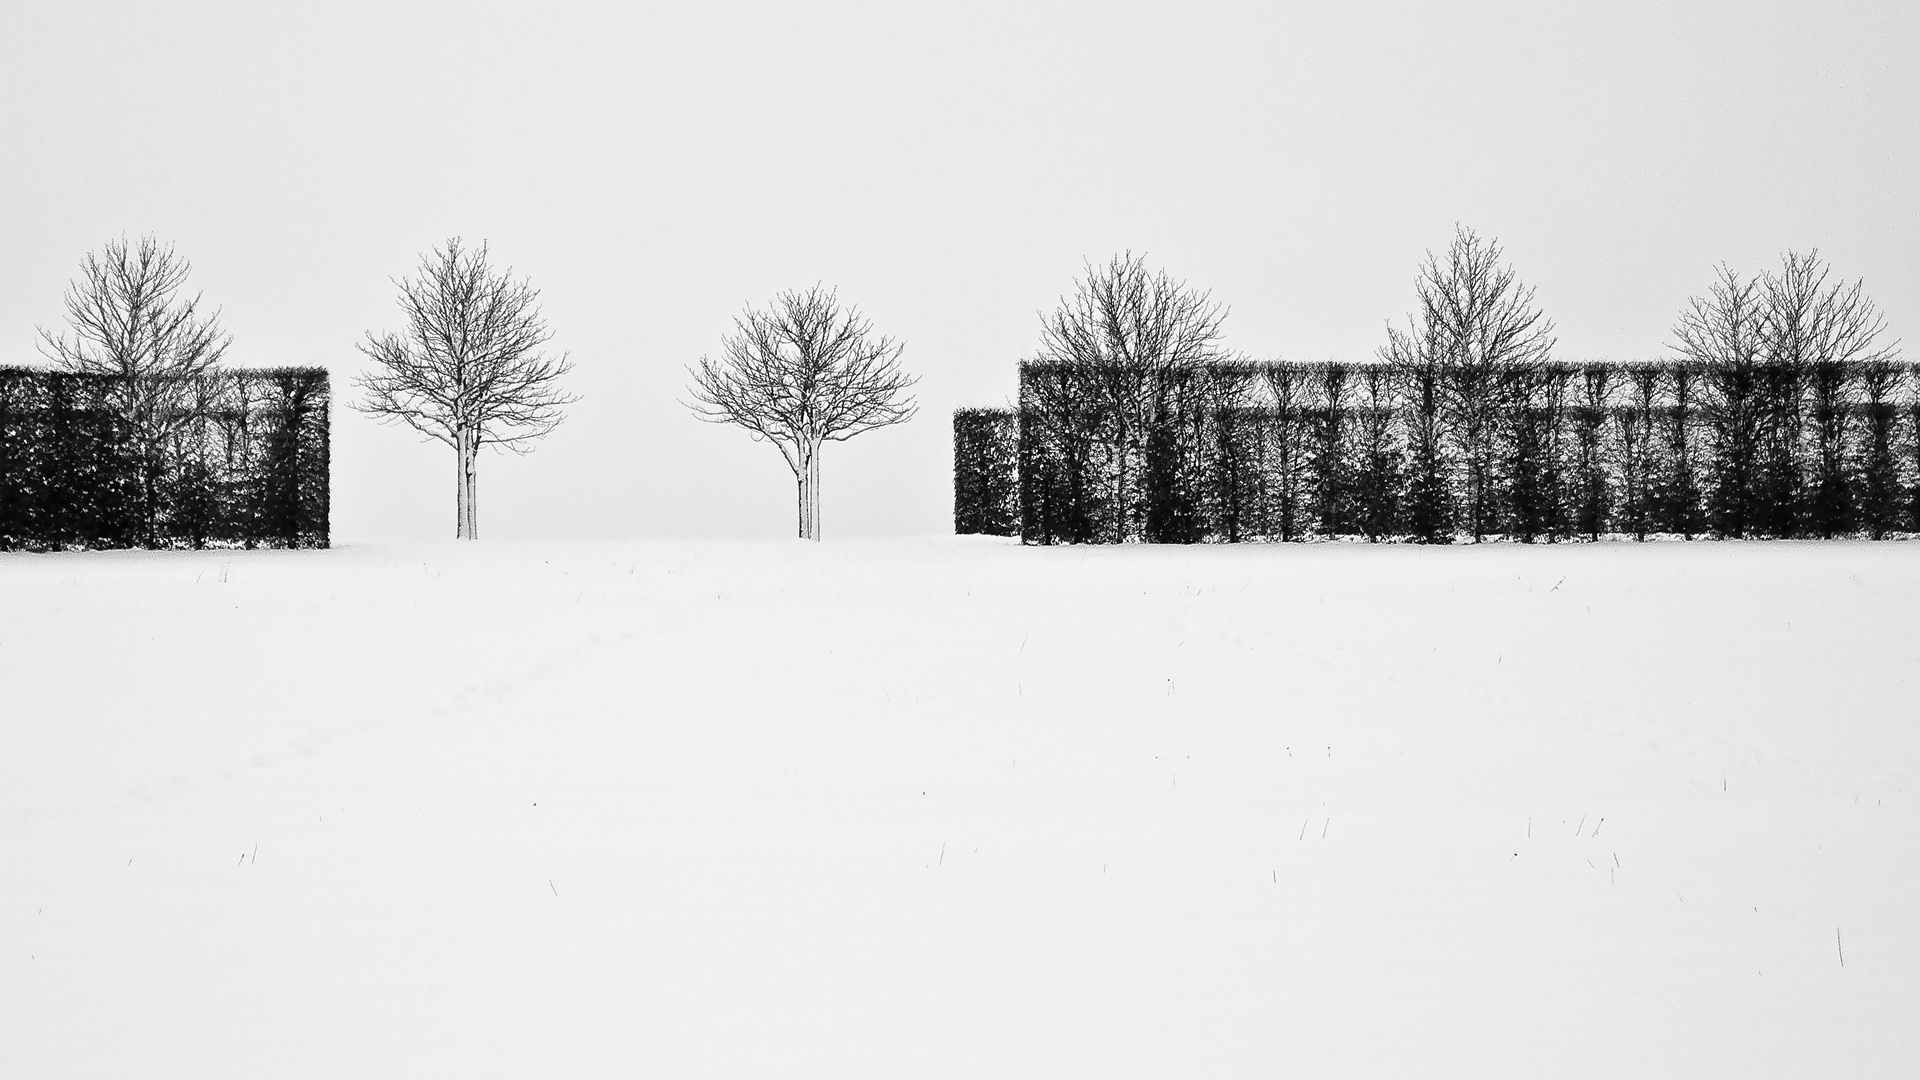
1288	451
986	491
235	458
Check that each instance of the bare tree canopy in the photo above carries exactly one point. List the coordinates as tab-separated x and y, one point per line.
1829	338
1468	356
1131	332
468	369
1722	330
1761	346
799	374
1806	321
128	317
1478	310
1125	318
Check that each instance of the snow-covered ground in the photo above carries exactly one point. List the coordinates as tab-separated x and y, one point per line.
959	808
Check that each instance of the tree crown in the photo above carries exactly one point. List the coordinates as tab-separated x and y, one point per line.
469	359
127	316
803	371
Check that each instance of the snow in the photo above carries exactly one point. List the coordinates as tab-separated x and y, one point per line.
954	807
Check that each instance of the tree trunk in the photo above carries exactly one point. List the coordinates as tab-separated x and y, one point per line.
807	477
473	486
466	509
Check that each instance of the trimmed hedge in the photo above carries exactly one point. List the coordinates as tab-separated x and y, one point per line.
985	491
1289	451
233	458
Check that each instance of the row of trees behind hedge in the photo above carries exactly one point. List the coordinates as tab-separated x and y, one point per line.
1294	451
1782	415
138	437
226	457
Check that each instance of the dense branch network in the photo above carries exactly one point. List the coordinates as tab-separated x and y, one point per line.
801	373
469	359
1470	354
467	370
1131	334
129	318
1761	345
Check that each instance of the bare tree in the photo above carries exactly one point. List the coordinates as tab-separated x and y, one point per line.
1061	425
1138	334
1480	331
468	370
802	373
1720	334
1830	336
1415	360
1805	321
129	318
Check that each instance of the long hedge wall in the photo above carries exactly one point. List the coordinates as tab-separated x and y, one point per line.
233	458
1295	451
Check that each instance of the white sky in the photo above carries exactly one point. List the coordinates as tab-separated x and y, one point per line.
653	168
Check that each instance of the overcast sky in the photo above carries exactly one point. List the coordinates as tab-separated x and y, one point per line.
653	168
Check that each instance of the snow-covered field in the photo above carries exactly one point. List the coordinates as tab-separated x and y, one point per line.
955	807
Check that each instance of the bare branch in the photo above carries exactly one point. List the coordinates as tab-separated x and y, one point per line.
128	318
467	370
801	373
1133	335
1468	358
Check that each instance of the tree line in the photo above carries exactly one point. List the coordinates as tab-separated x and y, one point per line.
136	436
1781	413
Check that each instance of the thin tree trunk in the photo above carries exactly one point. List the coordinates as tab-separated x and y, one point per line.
466	515
803	488
807	478
814	494
473	486
460	484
